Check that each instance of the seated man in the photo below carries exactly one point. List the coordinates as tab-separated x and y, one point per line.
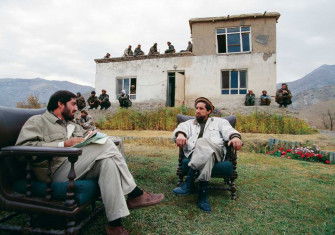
202	140
80	101
85	121
103	162
170	49
283	96
153	50
138	51
124	100
128	52
104	100
249	98
93	101
189	47
265	98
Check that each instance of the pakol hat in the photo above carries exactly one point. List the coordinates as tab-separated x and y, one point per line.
206	101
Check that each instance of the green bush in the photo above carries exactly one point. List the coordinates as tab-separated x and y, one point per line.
165	119
272	124
130	119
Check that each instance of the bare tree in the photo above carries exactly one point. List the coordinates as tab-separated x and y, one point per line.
328	120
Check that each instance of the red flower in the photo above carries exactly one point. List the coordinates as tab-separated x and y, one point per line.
289	150
281	148
327	162
319	155
288	157
283	153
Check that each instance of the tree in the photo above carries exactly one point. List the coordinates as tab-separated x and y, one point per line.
32	102
328	120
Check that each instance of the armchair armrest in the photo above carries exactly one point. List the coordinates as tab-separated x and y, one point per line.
46	152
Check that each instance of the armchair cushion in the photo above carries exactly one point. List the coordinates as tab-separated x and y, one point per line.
85	190
220	169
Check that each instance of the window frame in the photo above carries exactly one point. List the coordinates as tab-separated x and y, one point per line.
130	78
240	32
238	82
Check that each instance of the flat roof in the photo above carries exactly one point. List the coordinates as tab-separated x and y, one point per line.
235	17
142	57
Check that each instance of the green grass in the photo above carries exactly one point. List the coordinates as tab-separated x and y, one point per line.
275	196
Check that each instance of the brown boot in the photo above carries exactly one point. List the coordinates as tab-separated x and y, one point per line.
119	230
146	199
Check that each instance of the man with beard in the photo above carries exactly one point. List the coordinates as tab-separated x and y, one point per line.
104	162
202	140
283	96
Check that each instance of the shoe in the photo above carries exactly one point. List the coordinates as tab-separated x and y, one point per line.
203	202
119	230
188	186
146	199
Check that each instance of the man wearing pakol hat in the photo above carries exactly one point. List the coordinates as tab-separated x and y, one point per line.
202	140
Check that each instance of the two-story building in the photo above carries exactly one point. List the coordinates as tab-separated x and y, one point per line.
231	55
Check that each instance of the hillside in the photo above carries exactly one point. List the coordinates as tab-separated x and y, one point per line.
315	88
320	77
17	90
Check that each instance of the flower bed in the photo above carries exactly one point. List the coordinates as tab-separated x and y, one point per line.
301	153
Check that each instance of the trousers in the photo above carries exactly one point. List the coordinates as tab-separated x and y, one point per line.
106	164
204	156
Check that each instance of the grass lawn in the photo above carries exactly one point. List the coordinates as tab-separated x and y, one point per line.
274	196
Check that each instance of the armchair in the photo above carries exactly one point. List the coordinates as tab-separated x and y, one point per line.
225	169
52	207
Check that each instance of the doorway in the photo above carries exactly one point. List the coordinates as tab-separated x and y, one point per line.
175	89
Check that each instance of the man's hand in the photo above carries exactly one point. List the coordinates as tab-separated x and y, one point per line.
236	142
181	140
73	141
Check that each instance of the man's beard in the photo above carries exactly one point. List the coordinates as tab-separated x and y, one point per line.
200	118
67	115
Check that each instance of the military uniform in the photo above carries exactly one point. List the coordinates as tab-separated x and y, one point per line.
138	51
170	50
104	101
81	102
283	98
249	99
153	50
93	102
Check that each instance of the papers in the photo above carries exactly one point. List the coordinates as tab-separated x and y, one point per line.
92	137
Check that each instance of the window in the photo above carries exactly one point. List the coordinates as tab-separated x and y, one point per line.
127	84
233	82
232	40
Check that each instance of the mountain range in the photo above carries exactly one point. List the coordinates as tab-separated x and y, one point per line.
17	90
317	86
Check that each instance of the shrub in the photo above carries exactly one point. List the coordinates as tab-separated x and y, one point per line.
165	119
272	124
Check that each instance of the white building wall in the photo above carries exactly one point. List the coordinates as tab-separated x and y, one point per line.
202	74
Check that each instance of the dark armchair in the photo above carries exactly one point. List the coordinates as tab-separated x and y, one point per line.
225	169
50	208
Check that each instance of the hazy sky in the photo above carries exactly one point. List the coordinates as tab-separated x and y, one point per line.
59	40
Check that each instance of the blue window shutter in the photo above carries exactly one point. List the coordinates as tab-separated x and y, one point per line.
234	79
245	41
234	42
